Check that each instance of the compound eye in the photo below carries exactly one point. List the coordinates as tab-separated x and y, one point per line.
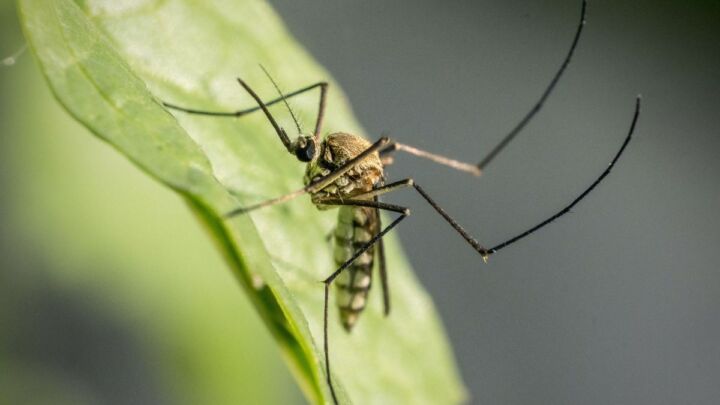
307	152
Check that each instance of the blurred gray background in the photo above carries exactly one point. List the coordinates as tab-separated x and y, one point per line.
617	302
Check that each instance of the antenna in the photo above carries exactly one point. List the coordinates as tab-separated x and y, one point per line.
282	96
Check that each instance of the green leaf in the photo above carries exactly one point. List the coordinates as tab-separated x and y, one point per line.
109	63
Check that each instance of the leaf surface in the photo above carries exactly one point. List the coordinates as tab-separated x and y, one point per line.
110	62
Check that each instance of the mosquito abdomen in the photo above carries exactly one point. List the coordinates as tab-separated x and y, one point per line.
356	226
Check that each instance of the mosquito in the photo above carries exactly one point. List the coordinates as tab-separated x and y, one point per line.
346	171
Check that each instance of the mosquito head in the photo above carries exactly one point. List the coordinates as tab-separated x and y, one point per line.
304	148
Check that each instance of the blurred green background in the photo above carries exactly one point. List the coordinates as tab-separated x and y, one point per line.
111	293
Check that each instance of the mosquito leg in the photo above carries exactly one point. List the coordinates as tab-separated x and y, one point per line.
583	194
468	238
321	111
261	106
363	203
321	106
382	267
334	275
446	161
325	344
240	113
316	185
476	169
472	241
355	201
403	211
539	104
487	252
384	189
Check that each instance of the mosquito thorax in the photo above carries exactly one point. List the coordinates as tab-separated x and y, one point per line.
333	152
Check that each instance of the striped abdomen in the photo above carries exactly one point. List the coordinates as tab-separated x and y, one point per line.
356	226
